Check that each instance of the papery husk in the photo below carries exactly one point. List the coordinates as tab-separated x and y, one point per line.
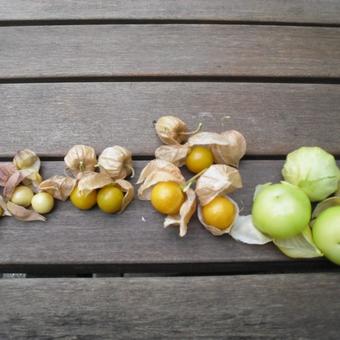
32	179
325	204
175	154
244	231
80	158
216	231
227	147
171	130
23	214
3	206
60	187
232	153
186	211
217	180
128	190
157	171
6	171
11	184
116	161
300	246
27	159
90	181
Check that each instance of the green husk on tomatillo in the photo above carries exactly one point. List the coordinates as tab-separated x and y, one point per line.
313	170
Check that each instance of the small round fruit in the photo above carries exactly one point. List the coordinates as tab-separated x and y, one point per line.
167	197
83	202
110	199
281	210
22	195
219	213
326	233
199	159
42	202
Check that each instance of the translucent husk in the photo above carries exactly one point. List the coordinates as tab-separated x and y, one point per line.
22	213
300	246
183	218
157	171
80	158
217	180
6	171
227	147
327	203
175	154
3	207
172	130
90	181
60	187
128	190
26	159
216	231
116	161
232	153
244	231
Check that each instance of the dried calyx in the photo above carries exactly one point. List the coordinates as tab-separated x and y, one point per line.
115	164
24	169
172	130
158	171
116	161
227	148
80	158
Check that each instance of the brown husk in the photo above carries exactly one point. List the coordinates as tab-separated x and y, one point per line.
128	191
175	154
23	214
232	153
80	158
216	231
183	218
227	147
171	130
6	171
157	171
217	180
60	187
116	161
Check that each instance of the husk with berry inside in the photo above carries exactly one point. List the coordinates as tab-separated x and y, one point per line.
214	230
116	161
227	148
217	180
158	171
80	158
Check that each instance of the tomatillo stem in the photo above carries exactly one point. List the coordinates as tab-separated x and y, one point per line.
192	132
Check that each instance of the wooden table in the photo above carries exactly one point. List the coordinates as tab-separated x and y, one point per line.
99	73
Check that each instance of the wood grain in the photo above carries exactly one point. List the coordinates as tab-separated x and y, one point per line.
275	118
295	306
298	11
169	50
136	240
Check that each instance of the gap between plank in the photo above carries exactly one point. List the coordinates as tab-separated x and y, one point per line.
174	78
78	22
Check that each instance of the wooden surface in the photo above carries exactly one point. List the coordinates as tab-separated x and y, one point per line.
296	306
169	50
298	11
94	241
60	115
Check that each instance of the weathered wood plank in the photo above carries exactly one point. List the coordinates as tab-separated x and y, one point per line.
275	118
136	240
169	50
295	306
299	11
